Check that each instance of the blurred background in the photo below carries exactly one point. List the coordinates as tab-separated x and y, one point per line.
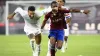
84	38
80	23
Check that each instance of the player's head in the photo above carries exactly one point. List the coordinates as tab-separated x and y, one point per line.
54	6
31	11
61	2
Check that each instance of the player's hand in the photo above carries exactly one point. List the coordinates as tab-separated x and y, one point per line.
86	11
9	17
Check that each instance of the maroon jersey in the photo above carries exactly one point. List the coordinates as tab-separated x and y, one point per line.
57	20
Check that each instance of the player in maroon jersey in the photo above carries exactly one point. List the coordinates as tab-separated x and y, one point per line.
58	24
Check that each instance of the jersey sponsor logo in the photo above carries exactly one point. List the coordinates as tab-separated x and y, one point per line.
56	20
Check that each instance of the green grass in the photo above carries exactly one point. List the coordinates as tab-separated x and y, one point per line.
78	45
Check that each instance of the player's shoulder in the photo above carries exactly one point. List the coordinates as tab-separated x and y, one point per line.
21	11
49	13
66	7
25	11
38	13
19	8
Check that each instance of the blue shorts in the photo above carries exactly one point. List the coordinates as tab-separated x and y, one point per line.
57	34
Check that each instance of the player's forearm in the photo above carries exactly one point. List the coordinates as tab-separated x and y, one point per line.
68	20
75	10
11	16
43	24
78	11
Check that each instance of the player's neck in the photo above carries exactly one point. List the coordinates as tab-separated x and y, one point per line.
54	12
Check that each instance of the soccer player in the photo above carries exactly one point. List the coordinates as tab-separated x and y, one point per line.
32	26
68	17
56	27
58	24
54	15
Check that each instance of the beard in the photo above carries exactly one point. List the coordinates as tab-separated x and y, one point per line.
31	17
55	11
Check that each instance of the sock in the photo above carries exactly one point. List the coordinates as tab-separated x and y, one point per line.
32	43
63	47
37	50
49	45
65	42
52	50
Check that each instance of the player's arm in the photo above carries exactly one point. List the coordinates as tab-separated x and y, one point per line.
68	21
78	11
11	16
45	20
75	11
18	10
43	24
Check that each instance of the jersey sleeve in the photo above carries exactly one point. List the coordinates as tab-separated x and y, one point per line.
39	13
19	10
67	15
66	11
47	16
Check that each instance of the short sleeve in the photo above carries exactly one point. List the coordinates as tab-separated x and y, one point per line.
19	10
47	16
66	11
67	15
39	13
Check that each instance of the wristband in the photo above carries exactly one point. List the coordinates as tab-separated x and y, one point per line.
81	11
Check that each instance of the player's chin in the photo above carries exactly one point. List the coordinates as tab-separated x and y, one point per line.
31	17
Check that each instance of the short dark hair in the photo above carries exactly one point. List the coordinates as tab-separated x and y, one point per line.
64	1
53	2
31	8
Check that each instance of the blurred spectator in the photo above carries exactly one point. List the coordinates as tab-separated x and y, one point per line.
39	9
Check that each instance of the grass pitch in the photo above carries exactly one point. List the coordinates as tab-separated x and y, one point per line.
78	45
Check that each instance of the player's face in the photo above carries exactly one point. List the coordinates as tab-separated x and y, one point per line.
54	7
31	13
60	2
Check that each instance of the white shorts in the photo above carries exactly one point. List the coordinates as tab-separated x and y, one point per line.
66	32
34	31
